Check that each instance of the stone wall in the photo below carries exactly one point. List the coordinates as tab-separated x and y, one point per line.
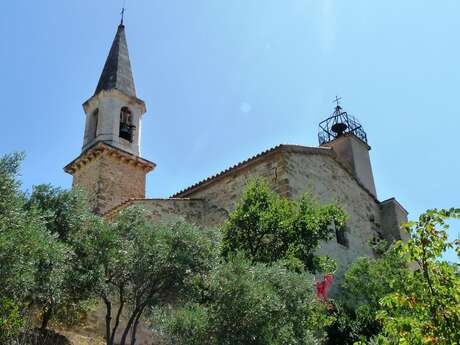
354	154
191	210
294	170
194	211
331	183
110	180
224	192
393	215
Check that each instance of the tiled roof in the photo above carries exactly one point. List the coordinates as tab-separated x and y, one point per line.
251	160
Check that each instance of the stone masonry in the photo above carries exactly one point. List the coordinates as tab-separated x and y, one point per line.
109	176
291	170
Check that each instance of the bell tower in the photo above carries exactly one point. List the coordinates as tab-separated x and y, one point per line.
109	167
345	135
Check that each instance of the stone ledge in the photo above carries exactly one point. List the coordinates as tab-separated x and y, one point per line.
103	148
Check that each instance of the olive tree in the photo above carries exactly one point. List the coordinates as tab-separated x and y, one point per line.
62	282
142	263
245	303
23	242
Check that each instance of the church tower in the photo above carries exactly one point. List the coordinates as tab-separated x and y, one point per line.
345	135
109	167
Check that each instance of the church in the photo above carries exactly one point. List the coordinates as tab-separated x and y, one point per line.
112	172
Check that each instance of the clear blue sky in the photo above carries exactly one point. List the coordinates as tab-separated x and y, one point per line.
224	80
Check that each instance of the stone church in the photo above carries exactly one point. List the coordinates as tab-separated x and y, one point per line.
112	172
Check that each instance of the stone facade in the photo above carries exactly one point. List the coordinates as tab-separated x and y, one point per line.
194	211
393	215
353	153
293	170
109	176
290	170
103	120
325	178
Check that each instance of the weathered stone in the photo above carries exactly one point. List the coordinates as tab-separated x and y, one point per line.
110	178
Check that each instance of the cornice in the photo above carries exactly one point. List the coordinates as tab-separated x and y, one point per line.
100	149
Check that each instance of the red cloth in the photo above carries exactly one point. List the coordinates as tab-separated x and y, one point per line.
323	286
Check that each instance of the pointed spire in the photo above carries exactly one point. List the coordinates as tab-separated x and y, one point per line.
117	73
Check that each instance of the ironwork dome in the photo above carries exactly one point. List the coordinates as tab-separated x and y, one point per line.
338	124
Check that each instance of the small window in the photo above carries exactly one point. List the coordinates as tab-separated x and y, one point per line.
126	124
341	236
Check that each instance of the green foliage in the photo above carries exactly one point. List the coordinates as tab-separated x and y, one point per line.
427	310
365	283
409	295
249	304
269	228
61	281
20	234
40	269
21	241
65	212
11	320
143	264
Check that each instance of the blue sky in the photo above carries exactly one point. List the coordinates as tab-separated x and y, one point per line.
224	80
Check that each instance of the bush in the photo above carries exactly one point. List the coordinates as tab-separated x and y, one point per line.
242	303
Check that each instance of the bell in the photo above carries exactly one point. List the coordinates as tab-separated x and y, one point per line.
339	128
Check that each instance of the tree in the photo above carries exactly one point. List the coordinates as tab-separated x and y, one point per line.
427	310
39	266
269	228
20	235
409	295
142	263
252	304
365	283
62	283
21	241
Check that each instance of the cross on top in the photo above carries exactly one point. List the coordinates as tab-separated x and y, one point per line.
337	100
122	14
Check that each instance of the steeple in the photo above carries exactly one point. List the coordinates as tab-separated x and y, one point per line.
113	113
117	73
110	168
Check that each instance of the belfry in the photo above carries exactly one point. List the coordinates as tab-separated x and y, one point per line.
109	167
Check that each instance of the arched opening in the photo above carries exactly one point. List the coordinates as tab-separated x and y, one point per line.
93	120
126	124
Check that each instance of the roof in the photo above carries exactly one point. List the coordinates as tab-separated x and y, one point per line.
117	73
283	147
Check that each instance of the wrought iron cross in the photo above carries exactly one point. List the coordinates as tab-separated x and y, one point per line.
337	100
